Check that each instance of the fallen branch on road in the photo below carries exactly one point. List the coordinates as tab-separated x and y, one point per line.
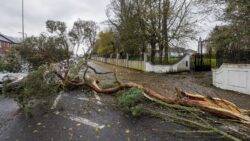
219	107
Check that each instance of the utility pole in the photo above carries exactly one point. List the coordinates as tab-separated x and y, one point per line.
23	19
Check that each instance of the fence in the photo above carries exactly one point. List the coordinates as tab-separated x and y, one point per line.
182	65
233	56
137	65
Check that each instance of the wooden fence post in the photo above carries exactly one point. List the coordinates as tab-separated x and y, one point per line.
117	59
127	59
145	57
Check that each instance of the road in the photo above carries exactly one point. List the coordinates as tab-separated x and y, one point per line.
82	115
165	84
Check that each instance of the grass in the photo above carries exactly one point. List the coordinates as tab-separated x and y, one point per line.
207	61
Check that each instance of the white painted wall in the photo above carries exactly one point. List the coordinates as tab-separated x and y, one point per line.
183	65
234	77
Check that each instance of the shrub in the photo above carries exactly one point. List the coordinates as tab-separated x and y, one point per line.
130	101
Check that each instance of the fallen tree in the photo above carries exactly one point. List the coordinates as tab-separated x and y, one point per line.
217	106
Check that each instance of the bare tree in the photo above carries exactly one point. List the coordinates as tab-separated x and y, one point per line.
163	23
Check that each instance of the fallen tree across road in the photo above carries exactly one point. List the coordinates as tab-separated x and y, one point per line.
217	106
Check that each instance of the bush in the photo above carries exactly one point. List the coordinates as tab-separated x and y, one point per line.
130	101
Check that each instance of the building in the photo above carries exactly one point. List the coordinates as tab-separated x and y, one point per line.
5	44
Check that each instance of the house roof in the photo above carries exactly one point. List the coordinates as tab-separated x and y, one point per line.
8	39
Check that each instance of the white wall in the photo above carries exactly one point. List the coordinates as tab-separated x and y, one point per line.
183	65
234	77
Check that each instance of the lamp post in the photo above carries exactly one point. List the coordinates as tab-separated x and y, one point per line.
23	19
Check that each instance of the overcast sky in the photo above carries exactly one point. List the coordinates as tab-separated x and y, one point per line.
38	11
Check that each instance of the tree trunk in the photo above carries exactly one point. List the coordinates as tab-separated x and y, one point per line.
161	53
153	50
166	9
219	107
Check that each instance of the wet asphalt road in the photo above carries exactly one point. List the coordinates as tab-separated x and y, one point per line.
80	116
84	116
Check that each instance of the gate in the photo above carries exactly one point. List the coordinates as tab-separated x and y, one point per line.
200	62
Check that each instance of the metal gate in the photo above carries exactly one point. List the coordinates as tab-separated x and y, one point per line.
201	62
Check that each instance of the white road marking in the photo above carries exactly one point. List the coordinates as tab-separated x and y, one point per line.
56	101
97	97
82	98
86	122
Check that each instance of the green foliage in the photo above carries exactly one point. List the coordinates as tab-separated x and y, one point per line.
76	68
56	26
163	24
137	111
11	62
41	50
228	46
236	33
129	101
33	87
105	43
83	32
47	48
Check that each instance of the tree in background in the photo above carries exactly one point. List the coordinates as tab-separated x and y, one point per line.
231	41
105	43
76	34
83	32
235	14
158	23
90	34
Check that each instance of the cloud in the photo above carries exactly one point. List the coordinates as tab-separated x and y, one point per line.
38	11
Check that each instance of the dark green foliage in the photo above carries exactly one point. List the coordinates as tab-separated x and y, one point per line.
137	111
47	48
231	42
130	101
105	43
11	62
32	87
41	50
142	26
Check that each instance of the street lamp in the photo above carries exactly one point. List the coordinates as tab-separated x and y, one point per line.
23	19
